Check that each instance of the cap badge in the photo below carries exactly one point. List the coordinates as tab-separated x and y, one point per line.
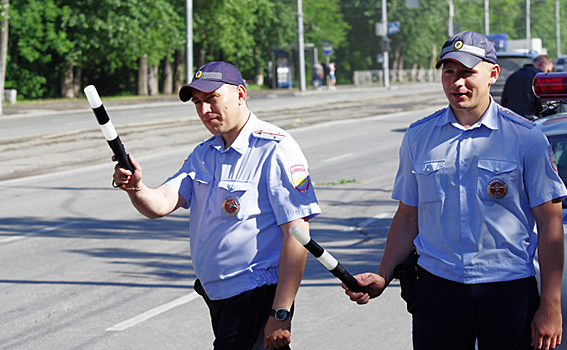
458	45
198	74
231	206
497	188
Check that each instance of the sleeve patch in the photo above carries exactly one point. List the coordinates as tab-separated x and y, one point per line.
300	178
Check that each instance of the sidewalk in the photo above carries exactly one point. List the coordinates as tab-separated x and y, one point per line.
39	108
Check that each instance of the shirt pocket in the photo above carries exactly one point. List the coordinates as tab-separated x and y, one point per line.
496	178
430	176
237	199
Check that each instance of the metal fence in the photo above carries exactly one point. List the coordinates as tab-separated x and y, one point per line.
371	77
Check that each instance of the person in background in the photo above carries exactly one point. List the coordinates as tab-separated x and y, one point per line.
518	94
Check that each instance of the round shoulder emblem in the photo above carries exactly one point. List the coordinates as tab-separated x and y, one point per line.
497	188
231	206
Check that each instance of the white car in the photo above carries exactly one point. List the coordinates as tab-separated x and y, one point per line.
560	64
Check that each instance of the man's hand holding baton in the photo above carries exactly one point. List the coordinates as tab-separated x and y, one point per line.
363	288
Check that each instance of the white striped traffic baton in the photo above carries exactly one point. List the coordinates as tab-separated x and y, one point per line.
107	128
326	259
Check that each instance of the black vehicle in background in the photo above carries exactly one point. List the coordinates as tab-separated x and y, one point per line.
509	62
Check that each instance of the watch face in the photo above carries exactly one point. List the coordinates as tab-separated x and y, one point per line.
281	314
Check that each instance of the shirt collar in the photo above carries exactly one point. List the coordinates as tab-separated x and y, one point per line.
488	119
240	144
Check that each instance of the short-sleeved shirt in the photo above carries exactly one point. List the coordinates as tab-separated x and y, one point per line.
474	189
238	197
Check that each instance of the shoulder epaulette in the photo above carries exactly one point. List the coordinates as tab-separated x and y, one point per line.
209	139
423	120
268	135
515	117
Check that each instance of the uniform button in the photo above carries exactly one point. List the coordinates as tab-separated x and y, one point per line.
463	161
463	190
463	219
208	212
497	169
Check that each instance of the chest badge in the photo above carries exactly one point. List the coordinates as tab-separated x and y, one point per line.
497	188
231	206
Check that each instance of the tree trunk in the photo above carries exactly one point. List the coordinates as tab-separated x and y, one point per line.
67	88
77	75
3	47
259	75
167	77
179	70
153	82
143	76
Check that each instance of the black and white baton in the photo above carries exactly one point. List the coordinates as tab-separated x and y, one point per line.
326	259
107	128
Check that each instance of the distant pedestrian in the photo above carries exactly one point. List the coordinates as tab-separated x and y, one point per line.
332	76
318	75
518	94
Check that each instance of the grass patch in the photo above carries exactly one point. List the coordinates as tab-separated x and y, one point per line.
339	182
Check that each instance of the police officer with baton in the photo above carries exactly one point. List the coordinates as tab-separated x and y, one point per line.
474	180
246	186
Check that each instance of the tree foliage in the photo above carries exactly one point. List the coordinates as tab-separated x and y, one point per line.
102	41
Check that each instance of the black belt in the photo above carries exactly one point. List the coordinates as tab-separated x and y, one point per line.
421	272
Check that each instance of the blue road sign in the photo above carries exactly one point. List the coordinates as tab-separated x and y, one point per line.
393	27
327	48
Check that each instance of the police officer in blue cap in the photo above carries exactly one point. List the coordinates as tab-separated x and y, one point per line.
245	186
474	181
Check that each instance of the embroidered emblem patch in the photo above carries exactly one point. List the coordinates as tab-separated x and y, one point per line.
231	206
458	45
552	158
198	74
497	188
300	178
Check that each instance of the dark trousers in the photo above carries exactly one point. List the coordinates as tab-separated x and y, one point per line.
450	315
238	322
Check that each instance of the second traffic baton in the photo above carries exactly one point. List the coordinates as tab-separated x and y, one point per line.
326	259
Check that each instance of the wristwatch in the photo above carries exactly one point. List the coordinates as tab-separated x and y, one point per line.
280	314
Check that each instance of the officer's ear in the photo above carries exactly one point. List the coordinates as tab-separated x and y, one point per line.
494	73
241	91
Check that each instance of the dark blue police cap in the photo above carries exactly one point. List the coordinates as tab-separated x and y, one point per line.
210	77
468	49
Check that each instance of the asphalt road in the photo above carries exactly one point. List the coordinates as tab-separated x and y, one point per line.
81	269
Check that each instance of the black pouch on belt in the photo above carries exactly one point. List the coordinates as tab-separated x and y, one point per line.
407	273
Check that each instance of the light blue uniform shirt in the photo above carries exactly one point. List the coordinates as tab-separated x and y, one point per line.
475	189
238	198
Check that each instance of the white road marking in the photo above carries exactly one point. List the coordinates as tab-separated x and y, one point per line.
189	297
153	312
369	221
333	159
35	233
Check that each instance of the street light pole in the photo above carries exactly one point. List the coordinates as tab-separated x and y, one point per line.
486	18
528	22
451	15
189	47
301	46
386	44
558	28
